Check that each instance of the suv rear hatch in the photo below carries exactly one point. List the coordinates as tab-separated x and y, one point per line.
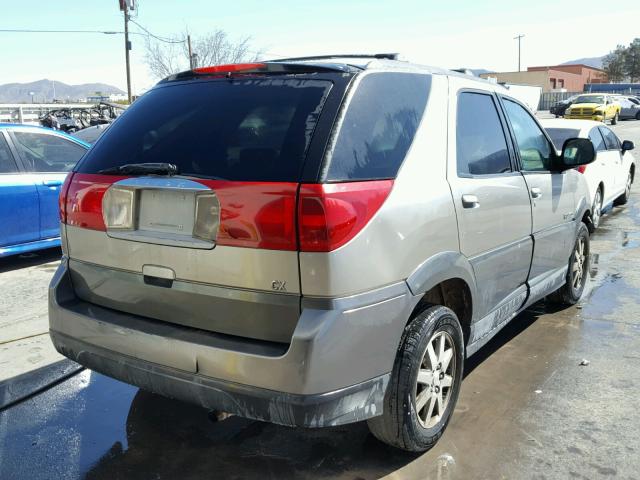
207	238
193	207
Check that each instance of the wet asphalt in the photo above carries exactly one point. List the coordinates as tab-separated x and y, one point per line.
527	409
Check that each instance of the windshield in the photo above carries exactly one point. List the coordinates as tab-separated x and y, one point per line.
561	135
255	129
590	99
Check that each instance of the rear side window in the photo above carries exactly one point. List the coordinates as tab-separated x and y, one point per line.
7	164
596	138
41	152
610	139
378	127
233	129
561	135
480	142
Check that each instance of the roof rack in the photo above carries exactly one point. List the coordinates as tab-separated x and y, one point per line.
380	56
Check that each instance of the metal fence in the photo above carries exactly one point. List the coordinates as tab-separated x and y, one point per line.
29	113
547	99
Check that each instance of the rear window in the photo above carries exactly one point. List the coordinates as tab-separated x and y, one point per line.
378	127
561	135
233	129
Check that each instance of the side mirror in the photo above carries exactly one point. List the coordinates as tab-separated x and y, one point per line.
627	145
576	152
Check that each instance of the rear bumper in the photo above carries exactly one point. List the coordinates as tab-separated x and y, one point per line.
347	405
334	371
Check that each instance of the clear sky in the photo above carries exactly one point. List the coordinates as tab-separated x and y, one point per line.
474	34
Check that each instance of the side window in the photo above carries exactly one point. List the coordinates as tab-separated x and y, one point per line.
610	139
480	142
43	152
379	126
7	163
535	149
596	138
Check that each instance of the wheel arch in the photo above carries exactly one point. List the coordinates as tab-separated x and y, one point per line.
446	279
583	215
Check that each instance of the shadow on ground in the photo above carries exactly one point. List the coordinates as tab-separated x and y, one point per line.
170	439
16	262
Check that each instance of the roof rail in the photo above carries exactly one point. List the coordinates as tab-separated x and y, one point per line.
385	56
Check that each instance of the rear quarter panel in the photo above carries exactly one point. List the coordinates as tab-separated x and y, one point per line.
416	221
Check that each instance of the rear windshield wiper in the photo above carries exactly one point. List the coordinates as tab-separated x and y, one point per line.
142	168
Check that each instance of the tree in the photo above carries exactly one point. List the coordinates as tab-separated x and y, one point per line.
614	64
166	58
632	61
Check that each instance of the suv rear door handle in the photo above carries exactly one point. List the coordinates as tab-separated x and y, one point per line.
536	192
470	201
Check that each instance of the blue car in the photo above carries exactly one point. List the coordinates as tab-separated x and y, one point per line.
34	162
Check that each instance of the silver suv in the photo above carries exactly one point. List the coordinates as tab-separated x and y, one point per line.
317	241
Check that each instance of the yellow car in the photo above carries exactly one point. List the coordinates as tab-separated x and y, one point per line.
594	106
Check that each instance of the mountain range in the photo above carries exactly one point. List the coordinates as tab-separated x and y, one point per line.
43	91
595	62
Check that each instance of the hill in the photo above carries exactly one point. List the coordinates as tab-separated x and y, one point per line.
595	62
43	91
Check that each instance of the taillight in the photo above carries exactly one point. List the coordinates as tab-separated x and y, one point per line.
581	168
235	67
329	215
256	214
62	199
243	214
83	199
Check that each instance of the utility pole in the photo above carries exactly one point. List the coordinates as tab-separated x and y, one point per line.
190	52
127	45
519	38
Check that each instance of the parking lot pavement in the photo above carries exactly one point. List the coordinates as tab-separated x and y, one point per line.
24	325
527	409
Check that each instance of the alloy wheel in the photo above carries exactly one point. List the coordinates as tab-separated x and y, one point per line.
627	188
435	379
597	208
579	265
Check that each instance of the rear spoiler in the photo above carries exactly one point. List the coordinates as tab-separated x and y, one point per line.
265	68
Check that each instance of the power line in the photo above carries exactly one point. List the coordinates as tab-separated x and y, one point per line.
116	32
24	30
166	40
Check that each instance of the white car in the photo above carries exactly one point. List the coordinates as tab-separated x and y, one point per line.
612	172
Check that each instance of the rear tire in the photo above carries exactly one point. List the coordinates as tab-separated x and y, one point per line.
614	120
579	262
624	198
423	381
638	116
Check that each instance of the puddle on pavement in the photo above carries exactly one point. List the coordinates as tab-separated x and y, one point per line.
631	239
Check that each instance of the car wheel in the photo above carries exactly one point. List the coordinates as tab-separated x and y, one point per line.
638	116
614	120
425	382
597	209
576	279
624	198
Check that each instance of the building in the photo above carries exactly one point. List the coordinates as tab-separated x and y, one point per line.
570	78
